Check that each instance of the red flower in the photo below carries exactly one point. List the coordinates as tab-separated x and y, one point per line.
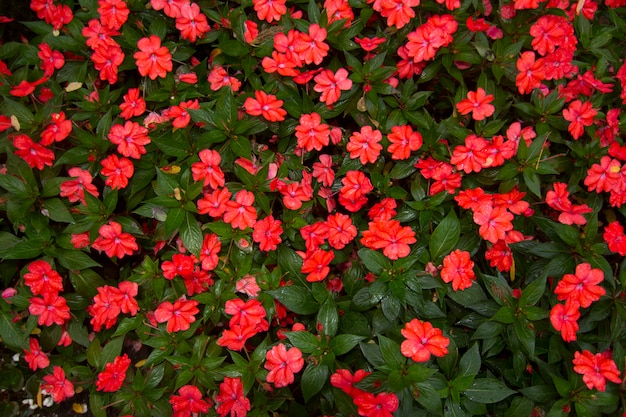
331	85
615	238
266	105
50	60
41	278
35	155
51	309
458	269
114	374
58	130
191	22
422	340
171	8
208	169
236	337
381	405
178	316
596	369
315	264
477	103
365	145
403	141
267	233
180	265
209	252
179	115
249	314
58	385
311	48
471	157
323	171
130	139
231	399
241	214
214	203
107	58
341	231
35	357
74	190
113	13
531	72
355	187
114	242
117	170
152	59
579	115
500	256
564	319
312	133
494	222
270	10
282	364
389	236
581	288
219	78
345	381
189	402
133	105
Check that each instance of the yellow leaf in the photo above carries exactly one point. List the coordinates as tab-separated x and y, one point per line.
15	124
73	86
79	408
140	363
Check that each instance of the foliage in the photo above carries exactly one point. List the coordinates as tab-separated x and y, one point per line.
305	208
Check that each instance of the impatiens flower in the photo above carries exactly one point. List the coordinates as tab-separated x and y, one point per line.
331	85
113	13
117	171
218	77
171	8
208	169
312	133
422	340
615	238
403	140
531	72
50	60
389	236
231	399
477	103
494	222
270	10
107	59
133	105
345	381
311	48
74	190
35	155
51	309
472	156
458	269
179	115
152	59
249	313
131	139
114	242
283	364
191	22
341	230
248	286
267	233
315	264
178	316
579	115
581	287
57	385
266	105
41	278
189	402
58	130
114	374
240	213
380	405
35	357
596	369
365	145
564	319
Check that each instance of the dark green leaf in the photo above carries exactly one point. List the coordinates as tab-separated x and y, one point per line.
191	234
344	343
487	391
296	298
313	379
445	236
304	341
328	317
10	333
374	261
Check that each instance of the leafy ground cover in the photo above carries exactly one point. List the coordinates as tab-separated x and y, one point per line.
348	208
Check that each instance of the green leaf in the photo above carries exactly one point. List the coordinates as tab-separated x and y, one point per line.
391	352
86	282
75	260
10	332
175	218
488	391
520	406
328	317
525	335
304	341
374	261
313	379
344	343
57	211
445	237
290	261
98	403
191	234
112	349
470	362
533	292
296	298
